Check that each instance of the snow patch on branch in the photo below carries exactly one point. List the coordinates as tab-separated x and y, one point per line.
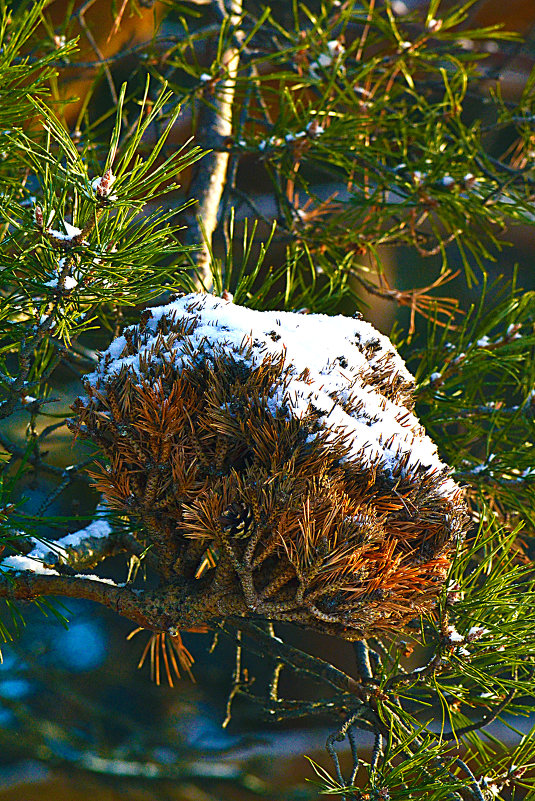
43	554
93	577
96	529
29	562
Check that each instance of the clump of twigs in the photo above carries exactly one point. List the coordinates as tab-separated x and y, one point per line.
275	464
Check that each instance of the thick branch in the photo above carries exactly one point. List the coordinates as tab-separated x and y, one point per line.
179	605
28	586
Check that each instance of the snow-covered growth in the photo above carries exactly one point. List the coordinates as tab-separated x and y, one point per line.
419	177
313	128
273	140
333	363
469	181
399	7
513	332
290	137
30	562
95	530
476	632
216	418
47	320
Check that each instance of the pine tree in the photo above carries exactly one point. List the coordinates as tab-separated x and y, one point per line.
367	129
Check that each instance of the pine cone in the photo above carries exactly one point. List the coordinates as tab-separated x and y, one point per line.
275	464
237	520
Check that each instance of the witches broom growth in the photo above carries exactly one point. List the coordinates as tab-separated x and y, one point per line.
274	465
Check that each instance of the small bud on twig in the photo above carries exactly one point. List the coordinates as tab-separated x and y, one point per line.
102	185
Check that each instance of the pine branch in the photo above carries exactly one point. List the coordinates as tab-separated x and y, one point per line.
214	131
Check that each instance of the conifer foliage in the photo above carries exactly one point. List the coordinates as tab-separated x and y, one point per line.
311	483
262	453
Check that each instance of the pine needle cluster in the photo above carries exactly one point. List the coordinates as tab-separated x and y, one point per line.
276	516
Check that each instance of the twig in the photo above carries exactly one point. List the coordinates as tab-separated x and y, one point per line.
34	458
362	655
317	668
376	753
94	46
70	475
236	680
474	787
485	720
346	729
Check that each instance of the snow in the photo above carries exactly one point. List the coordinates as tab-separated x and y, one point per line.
399	7
292	137
72	232
469	181
431	663
98	528
314	129
68	282
343	358
336	50
35	565
435	377
453	635
447	181
476	632
92	577
268	142
434	25
29	562
44	552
